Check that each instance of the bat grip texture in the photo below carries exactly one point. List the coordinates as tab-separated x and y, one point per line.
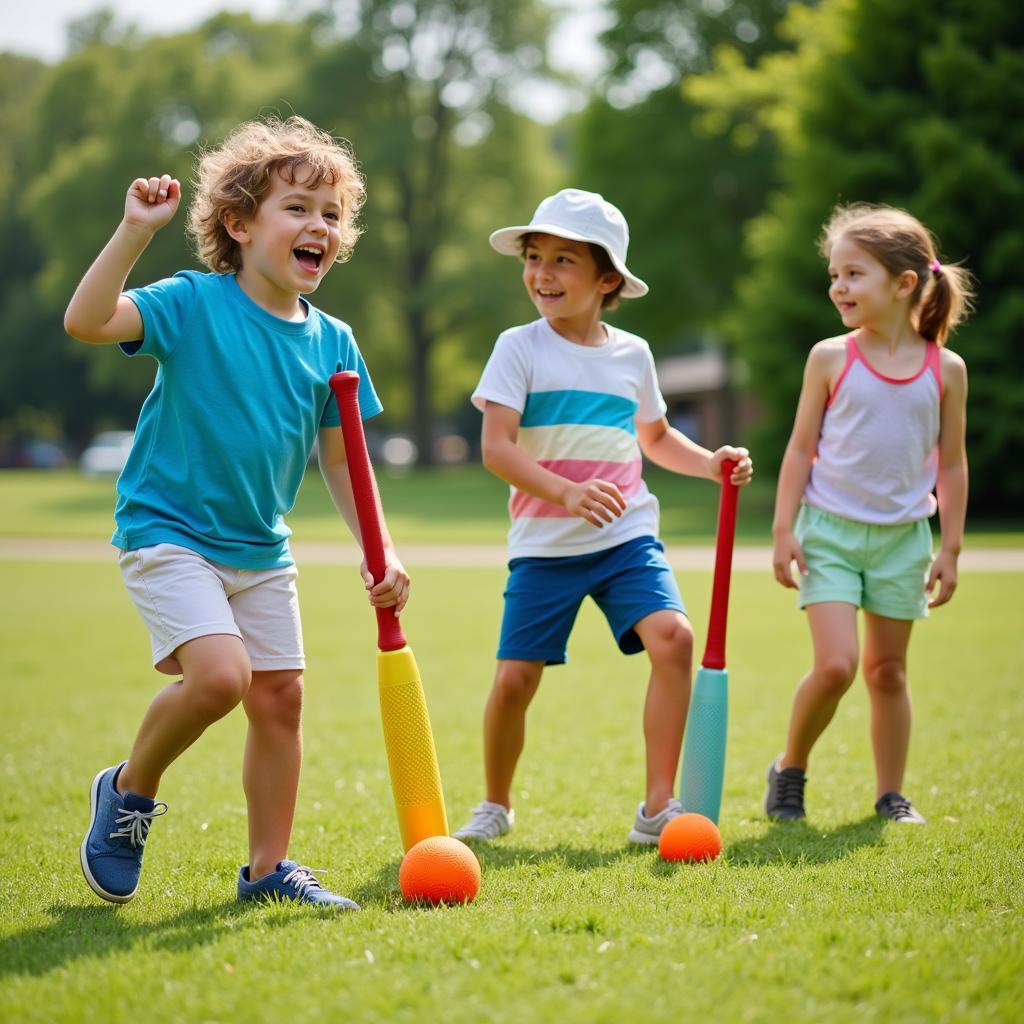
714	650
346	391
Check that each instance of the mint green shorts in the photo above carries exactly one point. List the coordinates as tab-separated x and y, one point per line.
882	569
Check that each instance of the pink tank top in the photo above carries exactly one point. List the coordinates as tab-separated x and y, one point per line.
878	453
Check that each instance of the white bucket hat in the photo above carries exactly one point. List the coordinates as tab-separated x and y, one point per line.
581	217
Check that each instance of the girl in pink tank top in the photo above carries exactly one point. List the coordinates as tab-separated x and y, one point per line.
879	426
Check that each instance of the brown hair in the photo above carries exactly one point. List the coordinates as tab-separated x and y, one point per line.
900	242
235	177
604	266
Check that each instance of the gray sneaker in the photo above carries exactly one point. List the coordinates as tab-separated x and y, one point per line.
896	807
648	830
784	796
489	821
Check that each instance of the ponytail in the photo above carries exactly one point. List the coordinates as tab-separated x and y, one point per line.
946	302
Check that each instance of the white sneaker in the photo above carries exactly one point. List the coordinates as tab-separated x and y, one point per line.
648	830
488	822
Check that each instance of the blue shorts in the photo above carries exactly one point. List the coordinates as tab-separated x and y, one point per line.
627	582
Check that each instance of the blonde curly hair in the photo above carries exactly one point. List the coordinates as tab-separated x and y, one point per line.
235	177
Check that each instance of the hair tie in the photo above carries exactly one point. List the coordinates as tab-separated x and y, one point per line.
936	267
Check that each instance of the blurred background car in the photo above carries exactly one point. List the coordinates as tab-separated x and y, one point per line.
107	453
32	453
399	451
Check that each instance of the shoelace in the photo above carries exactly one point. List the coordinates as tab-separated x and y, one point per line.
135	824
898	807
303	878
791	789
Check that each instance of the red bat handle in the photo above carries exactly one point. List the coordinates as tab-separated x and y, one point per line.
346	390
714	649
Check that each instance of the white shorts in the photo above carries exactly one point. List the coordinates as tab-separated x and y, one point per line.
181	596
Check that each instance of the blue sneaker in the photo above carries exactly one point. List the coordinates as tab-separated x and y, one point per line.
112	849
290	882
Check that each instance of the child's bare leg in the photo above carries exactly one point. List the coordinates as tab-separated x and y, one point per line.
215	676
834	637
885	672
273	759
668	639
515	684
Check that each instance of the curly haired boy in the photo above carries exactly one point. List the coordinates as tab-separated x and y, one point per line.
240	395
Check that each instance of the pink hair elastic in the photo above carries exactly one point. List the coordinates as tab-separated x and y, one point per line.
936	267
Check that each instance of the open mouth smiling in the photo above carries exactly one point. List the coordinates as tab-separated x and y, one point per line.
309	256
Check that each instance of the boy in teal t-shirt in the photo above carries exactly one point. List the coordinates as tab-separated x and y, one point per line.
241	394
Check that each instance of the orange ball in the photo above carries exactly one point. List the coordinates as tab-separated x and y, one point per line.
690	837
439	870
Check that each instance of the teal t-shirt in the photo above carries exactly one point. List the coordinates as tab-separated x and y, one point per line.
224	436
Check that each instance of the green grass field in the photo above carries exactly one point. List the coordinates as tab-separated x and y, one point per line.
840	919
463	504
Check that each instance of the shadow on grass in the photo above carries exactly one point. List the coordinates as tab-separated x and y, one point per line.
383	888
784	843
578	858
74	932
797	842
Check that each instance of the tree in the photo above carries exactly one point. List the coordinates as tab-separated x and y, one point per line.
23	375
685	188
119	105
428	96
424	91
911	105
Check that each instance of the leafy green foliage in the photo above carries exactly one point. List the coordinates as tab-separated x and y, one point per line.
903	104
686	190
685	221
23	360
119	106
423	91
685	34
724	174
424	293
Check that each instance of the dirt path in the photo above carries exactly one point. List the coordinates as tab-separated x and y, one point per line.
753	559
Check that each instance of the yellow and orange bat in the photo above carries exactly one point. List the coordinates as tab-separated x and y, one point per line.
408	738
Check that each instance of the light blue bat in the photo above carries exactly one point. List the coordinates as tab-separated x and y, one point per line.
703	771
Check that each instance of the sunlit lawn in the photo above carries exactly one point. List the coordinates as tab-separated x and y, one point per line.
462	504
841	919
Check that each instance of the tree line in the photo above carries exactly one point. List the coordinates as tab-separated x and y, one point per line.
724	130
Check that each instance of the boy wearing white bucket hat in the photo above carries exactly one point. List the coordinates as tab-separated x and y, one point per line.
570	404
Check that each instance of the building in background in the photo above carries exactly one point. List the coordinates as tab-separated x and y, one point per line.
705	397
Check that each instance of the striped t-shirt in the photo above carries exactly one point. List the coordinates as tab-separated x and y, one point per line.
579	408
